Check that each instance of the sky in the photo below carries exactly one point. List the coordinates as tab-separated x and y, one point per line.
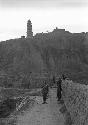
45	15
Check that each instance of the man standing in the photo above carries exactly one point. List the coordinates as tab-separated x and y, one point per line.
45	91
59	89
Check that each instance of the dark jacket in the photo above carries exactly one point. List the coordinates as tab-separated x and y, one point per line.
45	90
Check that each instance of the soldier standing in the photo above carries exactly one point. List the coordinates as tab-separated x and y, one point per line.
45	91
59	89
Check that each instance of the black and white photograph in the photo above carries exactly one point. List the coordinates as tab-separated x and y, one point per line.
43	62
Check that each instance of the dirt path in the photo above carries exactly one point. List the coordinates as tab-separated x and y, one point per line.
43	114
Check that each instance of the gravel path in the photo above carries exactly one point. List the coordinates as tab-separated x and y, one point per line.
43	114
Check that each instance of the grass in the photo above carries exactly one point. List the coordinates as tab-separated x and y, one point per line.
12	120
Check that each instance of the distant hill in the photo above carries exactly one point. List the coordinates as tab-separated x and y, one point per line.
58	51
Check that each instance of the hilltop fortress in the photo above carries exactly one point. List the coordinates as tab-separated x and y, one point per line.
55	31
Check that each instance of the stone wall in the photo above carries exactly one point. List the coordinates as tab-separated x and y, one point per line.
75	97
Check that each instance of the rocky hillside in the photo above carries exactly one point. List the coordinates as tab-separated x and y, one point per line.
75	98
58	51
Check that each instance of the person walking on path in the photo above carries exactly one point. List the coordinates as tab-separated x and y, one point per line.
59	89
45	91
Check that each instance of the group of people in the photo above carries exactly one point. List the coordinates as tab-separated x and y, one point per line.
45	89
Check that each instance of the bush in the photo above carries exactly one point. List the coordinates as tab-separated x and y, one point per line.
6	107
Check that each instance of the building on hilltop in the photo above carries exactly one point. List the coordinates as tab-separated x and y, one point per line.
59	30
22	37
29	29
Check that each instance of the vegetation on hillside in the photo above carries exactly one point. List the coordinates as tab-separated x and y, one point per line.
56	52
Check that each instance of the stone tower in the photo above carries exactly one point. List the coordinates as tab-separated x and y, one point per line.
29	29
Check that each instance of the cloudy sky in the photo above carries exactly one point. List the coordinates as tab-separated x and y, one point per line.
45	15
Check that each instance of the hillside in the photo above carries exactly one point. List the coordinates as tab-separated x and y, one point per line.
55	52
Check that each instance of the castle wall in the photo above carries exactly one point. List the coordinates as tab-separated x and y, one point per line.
75	97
